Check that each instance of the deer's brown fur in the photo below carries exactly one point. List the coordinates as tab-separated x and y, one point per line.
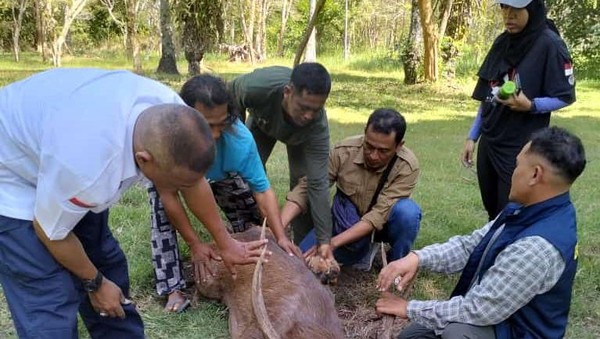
298	306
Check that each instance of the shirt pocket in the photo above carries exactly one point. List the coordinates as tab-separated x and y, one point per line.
348	186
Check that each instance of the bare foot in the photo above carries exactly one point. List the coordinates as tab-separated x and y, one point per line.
177	302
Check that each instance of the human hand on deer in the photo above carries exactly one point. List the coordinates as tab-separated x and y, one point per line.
241	253
324	251
399	272
289	247
388	303
202	254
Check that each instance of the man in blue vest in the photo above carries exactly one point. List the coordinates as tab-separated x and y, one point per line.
518	270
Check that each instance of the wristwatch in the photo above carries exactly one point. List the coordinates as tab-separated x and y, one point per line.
92	285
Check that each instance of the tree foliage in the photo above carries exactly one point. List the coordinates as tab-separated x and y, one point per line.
579	23
377	27
200	25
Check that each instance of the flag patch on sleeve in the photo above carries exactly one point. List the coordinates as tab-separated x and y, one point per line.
568	69
80	203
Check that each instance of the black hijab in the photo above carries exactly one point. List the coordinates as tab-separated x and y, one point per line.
508	49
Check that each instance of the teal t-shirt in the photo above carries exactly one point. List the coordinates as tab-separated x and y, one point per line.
237	154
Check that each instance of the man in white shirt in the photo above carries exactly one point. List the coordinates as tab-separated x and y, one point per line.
71	141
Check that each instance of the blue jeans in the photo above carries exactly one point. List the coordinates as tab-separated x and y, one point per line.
44	298
400	232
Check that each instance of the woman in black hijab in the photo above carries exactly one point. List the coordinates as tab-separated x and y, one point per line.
530	53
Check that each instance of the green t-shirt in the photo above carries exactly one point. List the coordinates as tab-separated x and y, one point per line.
260	94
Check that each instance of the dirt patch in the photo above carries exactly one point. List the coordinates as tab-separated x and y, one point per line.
355	297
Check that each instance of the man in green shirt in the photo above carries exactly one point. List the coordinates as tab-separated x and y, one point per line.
287	105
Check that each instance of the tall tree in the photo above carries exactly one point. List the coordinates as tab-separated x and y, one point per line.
430	39
308	31
71	11
346	41
445	16
310	55
40	38
261	32
168	59
18	9
248	25
411	53
131	22
286	7
110	7
460	19
201	25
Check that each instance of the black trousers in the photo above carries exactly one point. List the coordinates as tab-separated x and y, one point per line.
494	184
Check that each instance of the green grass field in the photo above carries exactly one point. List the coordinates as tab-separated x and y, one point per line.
438	119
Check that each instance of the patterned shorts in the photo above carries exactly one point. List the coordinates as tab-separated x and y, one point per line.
236	201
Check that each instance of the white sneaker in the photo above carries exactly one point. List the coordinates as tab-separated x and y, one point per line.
366	262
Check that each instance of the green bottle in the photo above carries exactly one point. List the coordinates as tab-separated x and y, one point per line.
508	88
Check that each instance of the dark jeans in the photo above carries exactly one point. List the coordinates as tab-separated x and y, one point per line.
44	298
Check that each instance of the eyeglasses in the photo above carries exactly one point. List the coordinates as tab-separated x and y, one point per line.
227	122
370	149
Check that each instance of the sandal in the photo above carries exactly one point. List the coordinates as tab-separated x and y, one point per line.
177	302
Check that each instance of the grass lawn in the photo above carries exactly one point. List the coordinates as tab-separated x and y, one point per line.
438	119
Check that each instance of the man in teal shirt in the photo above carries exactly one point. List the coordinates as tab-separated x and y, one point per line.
287	105
239	185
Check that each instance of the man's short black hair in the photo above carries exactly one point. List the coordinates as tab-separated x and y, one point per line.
386	121
311	77
209	91
562	149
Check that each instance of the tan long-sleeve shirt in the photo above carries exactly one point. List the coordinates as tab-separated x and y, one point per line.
348	171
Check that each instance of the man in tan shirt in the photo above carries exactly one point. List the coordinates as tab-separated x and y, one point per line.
357	165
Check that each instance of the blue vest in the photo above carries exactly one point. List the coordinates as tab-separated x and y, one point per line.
546	315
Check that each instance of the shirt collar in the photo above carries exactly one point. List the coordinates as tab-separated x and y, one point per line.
530	214
130	168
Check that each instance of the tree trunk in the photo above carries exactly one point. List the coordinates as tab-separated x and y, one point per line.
110	5
193	48
195	65
285	14
248	27
168	59
309	29
411	56
460	19
48	26
430	40
251	31
262	47
261	34
133	44
346	42
310	55
70	14
17	24
39	25
447	9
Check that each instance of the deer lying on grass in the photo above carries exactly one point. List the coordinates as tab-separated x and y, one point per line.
289	301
